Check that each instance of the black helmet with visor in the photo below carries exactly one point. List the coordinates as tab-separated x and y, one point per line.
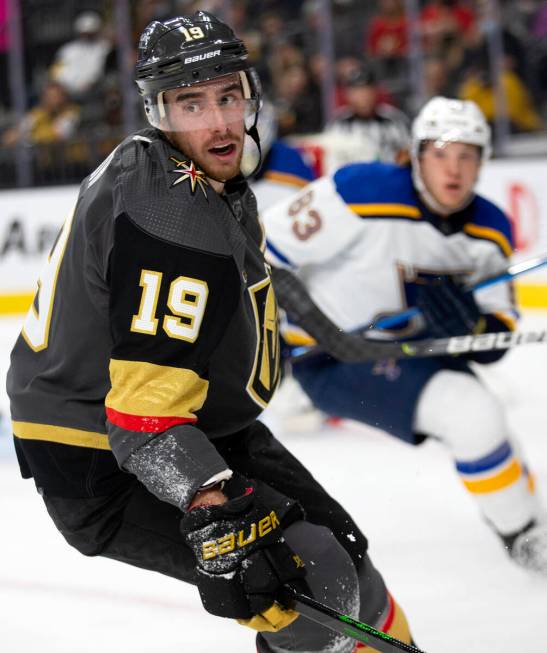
188	50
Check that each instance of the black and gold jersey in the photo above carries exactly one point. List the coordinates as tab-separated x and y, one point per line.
154	314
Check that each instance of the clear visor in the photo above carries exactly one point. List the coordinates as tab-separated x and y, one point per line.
217	104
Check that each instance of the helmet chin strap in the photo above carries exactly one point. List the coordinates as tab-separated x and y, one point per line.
253	133
428	197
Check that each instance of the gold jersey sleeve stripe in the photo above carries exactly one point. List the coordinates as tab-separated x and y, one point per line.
386	210
60	435
489	234
147	389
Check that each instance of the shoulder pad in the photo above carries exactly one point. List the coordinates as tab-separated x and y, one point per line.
377	184
286	160
168	196
491	223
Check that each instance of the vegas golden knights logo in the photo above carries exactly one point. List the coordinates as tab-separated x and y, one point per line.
265	374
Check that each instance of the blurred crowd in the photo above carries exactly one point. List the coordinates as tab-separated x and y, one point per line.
75	98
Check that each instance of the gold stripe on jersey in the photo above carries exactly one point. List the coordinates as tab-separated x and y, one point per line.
60	435
286	178
387	210
489	234
147	389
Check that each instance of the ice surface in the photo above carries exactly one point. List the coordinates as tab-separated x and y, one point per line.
460	592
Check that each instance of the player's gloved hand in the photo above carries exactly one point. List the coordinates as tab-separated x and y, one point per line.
242	559
448	310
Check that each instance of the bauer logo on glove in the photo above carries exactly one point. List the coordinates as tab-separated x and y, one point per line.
228	543
243	560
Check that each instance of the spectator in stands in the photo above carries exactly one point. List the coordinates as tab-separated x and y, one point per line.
521	111
437	77
387	33
376	130
50	127
298	101
4	46
145	11
539	32
53	120
386	42
278	51
444	21
240	20
344	68
79	64
539	22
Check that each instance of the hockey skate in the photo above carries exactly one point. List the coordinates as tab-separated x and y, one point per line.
529	549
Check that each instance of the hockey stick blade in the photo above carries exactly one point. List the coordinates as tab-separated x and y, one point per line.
344	625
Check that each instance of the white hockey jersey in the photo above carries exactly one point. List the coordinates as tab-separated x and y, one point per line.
283	172
359	238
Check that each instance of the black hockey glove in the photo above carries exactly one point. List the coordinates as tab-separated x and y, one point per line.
242	559
447	309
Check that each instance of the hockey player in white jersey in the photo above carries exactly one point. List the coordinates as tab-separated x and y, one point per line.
374	239
282	172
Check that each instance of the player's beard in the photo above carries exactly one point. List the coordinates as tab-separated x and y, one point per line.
209	163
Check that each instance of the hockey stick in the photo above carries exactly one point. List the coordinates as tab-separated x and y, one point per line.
355	346
510	273
352	351
344	625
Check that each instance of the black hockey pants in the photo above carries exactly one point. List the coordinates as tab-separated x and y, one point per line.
135	527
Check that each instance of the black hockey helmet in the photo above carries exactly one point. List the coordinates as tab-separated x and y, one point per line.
187	50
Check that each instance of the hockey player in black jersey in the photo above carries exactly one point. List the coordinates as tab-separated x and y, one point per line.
150	350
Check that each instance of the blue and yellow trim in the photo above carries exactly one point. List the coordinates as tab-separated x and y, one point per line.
387	210
506	477
270	247
286	178
491	473
488	233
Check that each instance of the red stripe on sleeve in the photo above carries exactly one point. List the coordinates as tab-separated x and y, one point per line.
145	424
